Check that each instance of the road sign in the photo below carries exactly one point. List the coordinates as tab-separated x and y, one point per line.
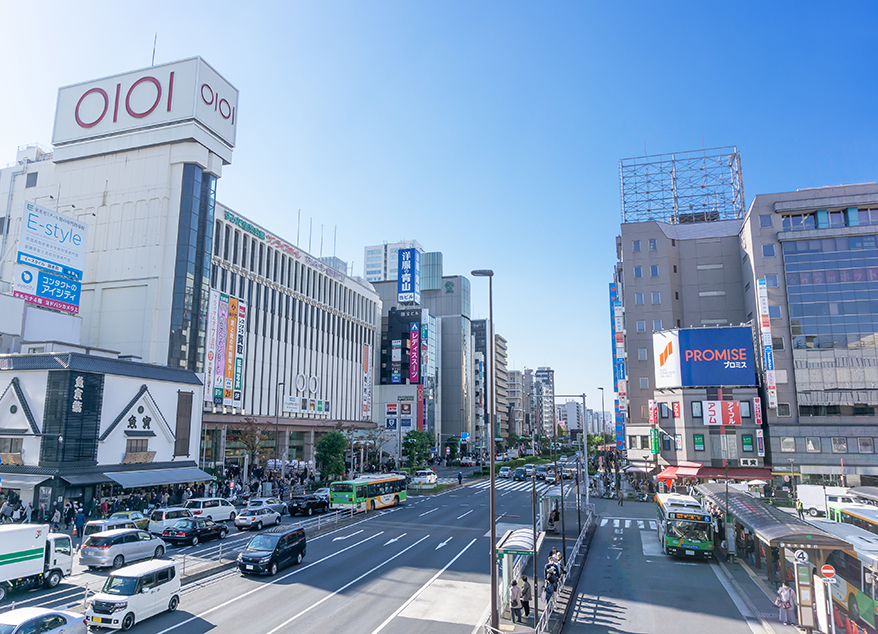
801	557
828	571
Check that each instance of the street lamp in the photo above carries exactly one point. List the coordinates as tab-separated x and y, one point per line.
495	616
280	387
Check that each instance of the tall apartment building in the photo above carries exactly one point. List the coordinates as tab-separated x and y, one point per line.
501	387
545	376
570	417
532	393
380	261
515	400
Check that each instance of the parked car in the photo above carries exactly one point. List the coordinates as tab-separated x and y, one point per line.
562	459
101	526
322	492
194	531
160	519
41	621
541	471
275	504
467	461
505	472
140	520
425	476
272	550
529	470
216	509
135	593
257	518
518	475
119	546
308	505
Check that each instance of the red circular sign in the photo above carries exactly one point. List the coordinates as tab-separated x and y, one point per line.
828	571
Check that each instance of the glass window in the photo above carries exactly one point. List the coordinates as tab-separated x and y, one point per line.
641	326
771	281
666	443
656	298
653	246
641	354
632	442
644	442
788	444
31	180
638	299
765	220
839	444
812	444
656	324
768	251
836	219
774	312
777	343
644	383
653	271
783	409
866	445
696	409
665	410
638	271
745	409
636	245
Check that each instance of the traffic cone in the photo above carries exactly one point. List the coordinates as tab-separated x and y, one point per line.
74	530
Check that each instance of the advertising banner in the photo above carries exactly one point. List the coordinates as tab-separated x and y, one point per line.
391	409
704	357
231	338
666	357
767	351
408	281
405	423
422	407
210	344
367	381
291	405
224	350
222	336
757	411
721	412
238	385
414	353
653	412
45	289
620	427
677	409
52	242
760	444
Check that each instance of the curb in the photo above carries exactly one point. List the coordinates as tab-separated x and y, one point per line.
766	625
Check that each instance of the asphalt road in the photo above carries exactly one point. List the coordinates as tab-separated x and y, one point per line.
628	585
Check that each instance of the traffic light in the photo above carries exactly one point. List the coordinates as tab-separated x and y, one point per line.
654	441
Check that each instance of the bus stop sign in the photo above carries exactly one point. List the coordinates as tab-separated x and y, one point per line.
828	571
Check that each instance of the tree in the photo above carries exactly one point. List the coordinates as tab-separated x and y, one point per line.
416	447
252	435
330	454
452	444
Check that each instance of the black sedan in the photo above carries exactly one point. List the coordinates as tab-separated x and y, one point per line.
308	505
194	531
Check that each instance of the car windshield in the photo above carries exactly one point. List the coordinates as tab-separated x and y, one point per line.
183	524
693	531
247	513
7	629
341	487
263	542
156	516
120	585
121	516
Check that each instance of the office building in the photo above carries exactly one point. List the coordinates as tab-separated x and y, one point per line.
380	261
545	398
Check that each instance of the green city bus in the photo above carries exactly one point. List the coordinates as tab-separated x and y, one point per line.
863	516
683	526
367	493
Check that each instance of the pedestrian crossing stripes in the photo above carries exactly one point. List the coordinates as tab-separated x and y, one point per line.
509	485
629	522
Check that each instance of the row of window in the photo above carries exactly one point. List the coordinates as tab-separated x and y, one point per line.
653	271
824	219
652	242
835	444
698	443
656	298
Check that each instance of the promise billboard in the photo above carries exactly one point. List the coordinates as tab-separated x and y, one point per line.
704	357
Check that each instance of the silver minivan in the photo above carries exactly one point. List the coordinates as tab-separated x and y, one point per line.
101	526
120	546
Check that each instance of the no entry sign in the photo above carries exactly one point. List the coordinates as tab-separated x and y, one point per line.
828	571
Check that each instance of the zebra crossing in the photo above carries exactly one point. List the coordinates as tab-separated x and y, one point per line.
622	522
510	485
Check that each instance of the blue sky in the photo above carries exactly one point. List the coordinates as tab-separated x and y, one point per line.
490	131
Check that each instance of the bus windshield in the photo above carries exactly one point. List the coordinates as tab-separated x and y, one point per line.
341	487
693	531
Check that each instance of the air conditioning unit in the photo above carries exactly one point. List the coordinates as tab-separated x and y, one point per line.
749	462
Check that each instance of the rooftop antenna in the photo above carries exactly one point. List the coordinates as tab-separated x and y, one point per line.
154	40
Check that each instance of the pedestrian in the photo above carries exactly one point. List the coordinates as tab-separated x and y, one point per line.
105	508
28	511
786	603
459	478
621	498
515	602
56	519
525	596
79	522
800	509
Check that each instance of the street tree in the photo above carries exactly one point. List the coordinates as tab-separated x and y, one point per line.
252	435
416	447
330	454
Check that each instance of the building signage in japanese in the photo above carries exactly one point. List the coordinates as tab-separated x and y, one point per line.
367	381
414	353
45	289
52	242
760	443
224	349
721	412
391	409
704	357
767	351
408	281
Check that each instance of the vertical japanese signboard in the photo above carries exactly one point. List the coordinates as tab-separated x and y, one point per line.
224	349
414	353
760	443
767	352
238	388
367	381
408	282
721	412
210	344
231	335
222	337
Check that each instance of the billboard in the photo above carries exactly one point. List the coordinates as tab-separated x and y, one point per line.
367	381
767	351
224	350
52	242
44	289
704	357
408	280
721	412
414	353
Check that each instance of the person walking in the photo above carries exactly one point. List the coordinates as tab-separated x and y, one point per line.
525	596
79	522
515	602
619	495
56	519
28	511
800	509
786	603
459	478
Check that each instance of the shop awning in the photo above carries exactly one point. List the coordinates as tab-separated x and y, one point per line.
80	479
771	525
158	477
688	469
669	473
737	473
21	480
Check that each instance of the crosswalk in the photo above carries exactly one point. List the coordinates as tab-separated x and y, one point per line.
631	522
510	485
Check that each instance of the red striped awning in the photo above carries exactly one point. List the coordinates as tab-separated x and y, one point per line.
669	473
737	473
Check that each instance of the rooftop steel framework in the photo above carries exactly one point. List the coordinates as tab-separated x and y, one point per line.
684	187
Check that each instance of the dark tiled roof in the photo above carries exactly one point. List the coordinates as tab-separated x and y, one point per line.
112	468
25	407
91	363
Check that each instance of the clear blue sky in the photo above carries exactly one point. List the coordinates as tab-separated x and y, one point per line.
490	131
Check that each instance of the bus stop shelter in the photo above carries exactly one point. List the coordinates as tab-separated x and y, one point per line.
515	543
776	533
550	500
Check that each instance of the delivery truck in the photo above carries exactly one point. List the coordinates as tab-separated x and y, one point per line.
814	497
32	557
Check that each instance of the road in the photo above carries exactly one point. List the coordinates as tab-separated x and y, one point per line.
629	585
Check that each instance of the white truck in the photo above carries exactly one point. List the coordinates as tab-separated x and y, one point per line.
814	497
32	557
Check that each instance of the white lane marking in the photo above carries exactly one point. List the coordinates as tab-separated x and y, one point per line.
344	587
615	523
748	615
619	555
653	526
604	522
465	514
419	592
428	512
396	539
75	590
619	531
442	544
262	587
335	539
640	525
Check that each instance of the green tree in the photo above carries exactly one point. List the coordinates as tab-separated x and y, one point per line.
330	454
452	444
416	447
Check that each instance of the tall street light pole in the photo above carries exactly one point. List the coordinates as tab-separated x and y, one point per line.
280	388
495	616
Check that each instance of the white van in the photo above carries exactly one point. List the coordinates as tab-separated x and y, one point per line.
135	593
160	519
216	509
814	497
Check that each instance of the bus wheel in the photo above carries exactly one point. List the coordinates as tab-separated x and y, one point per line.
395	500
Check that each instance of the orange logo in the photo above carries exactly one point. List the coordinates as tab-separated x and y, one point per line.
664	355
